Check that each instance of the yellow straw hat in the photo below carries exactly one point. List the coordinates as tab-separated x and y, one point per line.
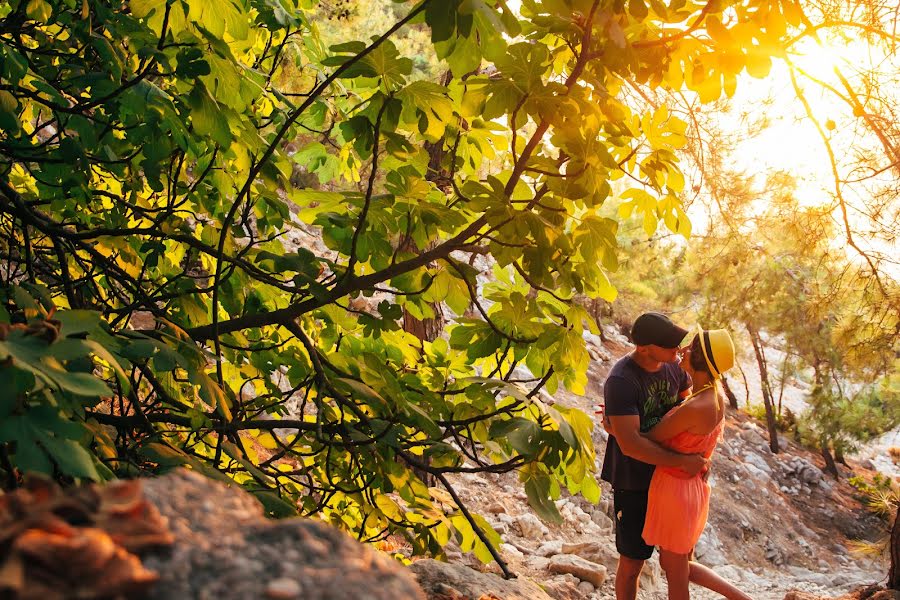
718	350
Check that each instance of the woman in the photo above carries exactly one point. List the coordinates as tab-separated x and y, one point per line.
677	505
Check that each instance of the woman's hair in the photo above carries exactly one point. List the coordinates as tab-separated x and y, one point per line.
698	358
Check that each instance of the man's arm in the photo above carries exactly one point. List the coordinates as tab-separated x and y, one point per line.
679	419
627	432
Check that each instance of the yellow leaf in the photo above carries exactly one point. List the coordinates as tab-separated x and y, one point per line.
793	12
717	31
441	533
38	10
266	440
390	508
675	74
758	63
590	490
775	23
710	89
730	85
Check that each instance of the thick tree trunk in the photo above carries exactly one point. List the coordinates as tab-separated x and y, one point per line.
830	466
839	456
732	399
894	572
429	329
766	388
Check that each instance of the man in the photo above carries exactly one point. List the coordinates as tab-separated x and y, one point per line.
641	387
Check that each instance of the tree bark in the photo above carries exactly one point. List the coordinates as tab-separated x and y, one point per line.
781	382
830	466
732	399
839	456
893	582
766	387
746	385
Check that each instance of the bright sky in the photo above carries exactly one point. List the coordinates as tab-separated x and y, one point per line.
792	143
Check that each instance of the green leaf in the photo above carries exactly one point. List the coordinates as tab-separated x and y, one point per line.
81	384
29	457
366	392
275	506
164	455
72	458
432	103
537	488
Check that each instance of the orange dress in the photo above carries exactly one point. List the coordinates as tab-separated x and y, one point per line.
677	506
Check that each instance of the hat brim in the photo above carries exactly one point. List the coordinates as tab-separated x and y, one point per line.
674	338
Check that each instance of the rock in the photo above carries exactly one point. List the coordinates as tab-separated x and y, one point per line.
510	551
839	580
810	475
724	450
496	508
435	577
602	520
757	461
651	576
756	472
225	548
537	563
708	549
550	548
752	436
798	595
501	526
581	568
525	549
602	554
564	588
283	589
773	554
531	527
729	573
585	588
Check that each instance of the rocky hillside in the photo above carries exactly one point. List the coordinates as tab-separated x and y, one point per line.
777	522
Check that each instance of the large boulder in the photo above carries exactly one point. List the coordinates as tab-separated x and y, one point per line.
226	549
583	569
444	581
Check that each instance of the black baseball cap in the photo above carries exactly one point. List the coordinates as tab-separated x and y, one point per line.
656	329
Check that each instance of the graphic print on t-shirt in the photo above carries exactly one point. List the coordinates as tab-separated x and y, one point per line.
659	400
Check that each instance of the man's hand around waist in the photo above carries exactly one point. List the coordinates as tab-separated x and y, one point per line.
694	464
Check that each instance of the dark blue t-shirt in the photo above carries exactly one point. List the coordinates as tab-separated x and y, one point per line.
630	390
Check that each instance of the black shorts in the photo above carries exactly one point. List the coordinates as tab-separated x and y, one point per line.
630	511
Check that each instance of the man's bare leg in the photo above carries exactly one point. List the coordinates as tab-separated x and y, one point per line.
628	572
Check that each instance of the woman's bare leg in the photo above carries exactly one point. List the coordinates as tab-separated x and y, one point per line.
678	570
706	577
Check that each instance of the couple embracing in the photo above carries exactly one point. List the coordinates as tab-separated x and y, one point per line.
664	419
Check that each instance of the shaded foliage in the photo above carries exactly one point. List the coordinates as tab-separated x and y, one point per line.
145	191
